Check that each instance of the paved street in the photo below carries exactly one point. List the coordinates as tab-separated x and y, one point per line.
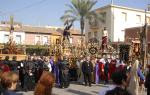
75	89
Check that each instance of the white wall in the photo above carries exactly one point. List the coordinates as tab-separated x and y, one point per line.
101	26
120	25
114	21
2	34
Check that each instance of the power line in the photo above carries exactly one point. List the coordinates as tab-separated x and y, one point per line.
29	6
4	13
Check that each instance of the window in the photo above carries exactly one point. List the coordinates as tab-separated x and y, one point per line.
148	20
104	17
18	39
95	34
45	40
124	16
138	18
6	38
37	40
89	34
57	41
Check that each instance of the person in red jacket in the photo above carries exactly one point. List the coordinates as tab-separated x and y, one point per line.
101	70
3	67
112	67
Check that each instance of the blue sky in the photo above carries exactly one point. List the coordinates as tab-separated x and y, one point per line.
48	12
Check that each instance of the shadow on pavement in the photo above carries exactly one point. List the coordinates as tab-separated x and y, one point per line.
78	92
95	92
102	85
19	93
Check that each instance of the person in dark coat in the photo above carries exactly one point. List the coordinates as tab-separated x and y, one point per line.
14	64
6	61
40	67
147	82
117	91
21	72
63	73
36	68
120	82
29	80
106	71
87	69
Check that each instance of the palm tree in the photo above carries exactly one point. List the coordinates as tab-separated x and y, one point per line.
80	10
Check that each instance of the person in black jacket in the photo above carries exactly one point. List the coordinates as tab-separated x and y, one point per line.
6	61
29	81
14	64
117	91
147	82
87	69
63	73
21	73
106	69
120	82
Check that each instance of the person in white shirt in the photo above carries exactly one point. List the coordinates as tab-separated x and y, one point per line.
134	82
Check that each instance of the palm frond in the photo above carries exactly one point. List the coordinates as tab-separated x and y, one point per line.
69	18
96	16
91	4
71	9
71	12
76	4
80	10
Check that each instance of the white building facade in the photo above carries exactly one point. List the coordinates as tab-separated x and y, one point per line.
18	36
116	20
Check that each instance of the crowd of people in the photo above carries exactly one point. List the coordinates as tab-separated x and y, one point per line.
42	73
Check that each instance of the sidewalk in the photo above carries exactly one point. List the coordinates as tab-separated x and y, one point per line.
75	89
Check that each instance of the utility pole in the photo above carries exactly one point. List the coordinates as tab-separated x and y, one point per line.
11	28
112	2
145	53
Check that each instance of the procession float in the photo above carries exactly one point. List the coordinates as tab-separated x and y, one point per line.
11	48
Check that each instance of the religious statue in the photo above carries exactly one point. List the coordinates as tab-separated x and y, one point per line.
105	32
104	39
135	48
66	33
66	37
10	47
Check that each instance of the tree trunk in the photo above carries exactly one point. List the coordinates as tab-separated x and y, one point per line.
82	30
